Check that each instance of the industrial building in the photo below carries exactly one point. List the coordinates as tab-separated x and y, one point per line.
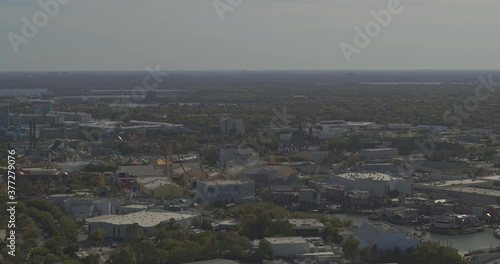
379	154
383	236
160	187
288	246
270	175
232	155
115	226
41	107
139	171
377	183
212	191
307	227
232	126
470	195
310	197
81	208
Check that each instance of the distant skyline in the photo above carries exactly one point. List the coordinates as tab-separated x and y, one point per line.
128	35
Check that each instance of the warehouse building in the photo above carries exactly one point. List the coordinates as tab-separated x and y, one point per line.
307	227
115	226
377	183
379	153
288	246
160	187
212	191
80	208
383	236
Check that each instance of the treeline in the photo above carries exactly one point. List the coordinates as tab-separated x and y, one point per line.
174	244
41	221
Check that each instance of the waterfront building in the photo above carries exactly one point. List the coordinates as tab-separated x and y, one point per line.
383	236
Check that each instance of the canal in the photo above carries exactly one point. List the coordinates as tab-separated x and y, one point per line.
463	242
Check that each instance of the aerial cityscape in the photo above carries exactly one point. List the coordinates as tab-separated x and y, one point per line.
233	131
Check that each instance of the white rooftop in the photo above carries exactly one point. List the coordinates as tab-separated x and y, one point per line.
307	223
226	182
374	176
452	183
285	240
377	149
158	183
143	218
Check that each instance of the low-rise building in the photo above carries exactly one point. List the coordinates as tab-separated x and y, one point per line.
80	208
232	126
379	153
378	183
270	175
115	226
310	197
469	195
212	191
307	227
356	200
160	187
232	155
383	236
288	246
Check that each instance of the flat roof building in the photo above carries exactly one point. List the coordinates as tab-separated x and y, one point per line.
379	153
384	236
288	246
115	226
212	191
307	227
377	183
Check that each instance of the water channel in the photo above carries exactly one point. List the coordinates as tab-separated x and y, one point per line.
463	242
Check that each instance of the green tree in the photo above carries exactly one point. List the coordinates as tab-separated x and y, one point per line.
432	252
146	252
69	228
123	255
280	228
350	248
133	233
97	236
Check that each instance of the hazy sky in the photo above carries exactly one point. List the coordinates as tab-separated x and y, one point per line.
258	34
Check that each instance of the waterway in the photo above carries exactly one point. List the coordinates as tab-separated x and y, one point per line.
463	242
